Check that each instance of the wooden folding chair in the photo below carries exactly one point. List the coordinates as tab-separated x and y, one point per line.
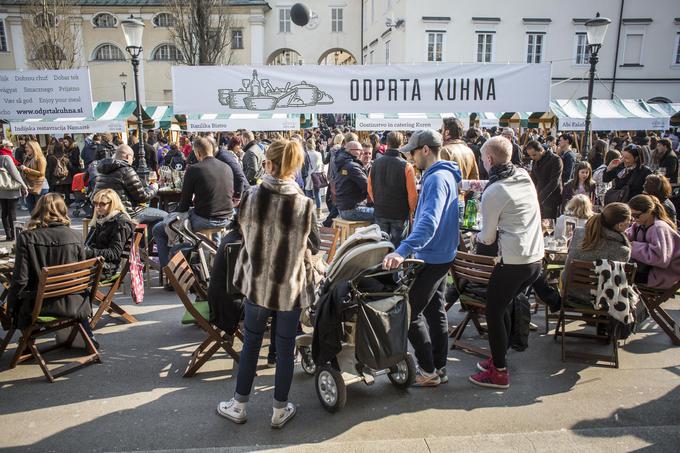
470	268
79	278
653	299
182	279
105	300
581	276
329	241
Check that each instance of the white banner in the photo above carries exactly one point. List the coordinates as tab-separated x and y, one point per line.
229	124
66	127
45	94
364	123
361	89
615	124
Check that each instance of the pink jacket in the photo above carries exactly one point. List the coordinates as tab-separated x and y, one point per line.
658	247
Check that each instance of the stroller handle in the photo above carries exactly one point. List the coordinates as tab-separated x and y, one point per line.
409	266
173	225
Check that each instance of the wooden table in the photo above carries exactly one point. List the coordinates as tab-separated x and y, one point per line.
163	198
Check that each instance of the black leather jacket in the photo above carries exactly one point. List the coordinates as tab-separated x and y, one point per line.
108	240
121	177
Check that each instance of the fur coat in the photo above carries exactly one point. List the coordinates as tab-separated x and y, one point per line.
278	224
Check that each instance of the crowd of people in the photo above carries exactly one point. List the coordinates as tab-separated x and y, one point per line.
269	190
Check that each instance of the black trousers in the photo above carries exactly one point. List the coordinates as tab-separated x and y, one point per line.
506	282
429	329
9	215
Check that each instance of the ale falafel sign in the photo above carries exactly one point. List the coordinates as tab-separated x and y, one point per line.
362	89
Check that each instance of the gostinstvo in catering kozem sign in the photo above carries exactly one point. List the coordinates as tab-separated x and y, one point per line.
370	88
45	94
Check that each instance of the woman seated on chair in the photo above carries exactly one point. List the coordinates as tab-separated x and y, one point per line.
655	243
47	241
110	230
578	210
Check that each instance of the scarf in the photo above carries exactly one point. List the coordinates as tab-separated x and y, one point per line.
112	214
283	186
500	172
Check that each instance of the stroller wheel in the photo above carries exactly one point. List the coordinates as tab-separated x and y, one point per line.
306	361
330	388
403	373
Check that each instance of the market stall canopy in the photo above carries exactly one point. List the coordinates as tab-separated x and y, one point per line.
610	115
211	122
486	119
672	109
406	121
161	116
106	117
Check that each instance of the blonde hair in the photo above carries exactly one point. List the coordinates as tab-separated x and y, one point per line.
286	157
37	150
107	195
580	206
50	208
338	139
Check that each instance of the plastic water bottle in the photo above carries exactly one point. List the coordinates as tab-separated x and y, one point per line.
470	214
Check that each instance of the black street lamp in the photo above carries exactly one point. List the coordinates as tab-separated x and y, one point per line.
123	83
595	30
133	30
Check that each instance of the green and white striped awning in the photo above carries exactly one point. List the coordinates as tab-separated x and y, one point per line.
405	121
161	115
212	122
610	115
106	117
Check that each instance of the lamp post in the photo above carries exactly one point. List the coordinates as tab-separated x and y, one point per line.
595	30
123	83
133	30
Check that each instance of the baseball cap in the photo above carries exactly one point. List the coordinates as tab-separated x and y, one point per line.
418	139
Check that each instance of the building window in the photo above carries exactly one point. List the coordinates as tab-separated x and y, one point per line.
435	46
165	20
632	54
167	52
336	20
108	52
104	20
676	54
534	47
284	20
387	52
237	39
582	49
3	37
484	47
286	57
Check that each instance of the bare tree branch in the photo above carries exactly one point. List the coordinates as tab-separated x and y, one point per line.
50	34
202	31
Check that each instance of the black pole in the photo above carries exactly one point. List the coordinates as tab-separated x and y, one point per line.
591	82
142	169
124	95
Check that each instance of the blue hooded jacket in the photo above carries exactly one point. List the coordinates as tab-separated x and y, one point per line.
435	234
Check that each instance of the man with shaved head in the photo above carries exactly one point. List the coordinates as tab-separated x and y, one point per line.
351	183
511	215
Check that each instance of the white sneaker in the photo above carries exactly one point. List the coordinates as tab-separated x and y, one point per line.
283	415
233	410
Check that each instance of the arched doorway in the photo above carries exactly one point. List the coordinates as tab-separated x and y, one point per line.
337	56
285	57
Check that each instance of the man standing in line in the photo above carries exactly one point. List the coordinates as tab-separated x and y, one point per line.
434	239
351	184
510	213
509	133
546	173
456	150
392	187
567	154
253	158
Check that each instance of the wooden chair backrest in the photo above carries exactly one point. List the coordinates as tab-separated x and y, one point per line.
182	279
329	241
472	268
67	279
581	275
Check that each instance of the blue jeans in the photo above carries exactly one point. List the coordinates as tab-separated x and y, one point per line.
360	213
197	223
255	325
150	217
32	199
315	195
397	229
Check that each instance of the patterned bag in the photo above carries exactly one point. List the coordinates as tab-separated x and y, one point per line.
136	276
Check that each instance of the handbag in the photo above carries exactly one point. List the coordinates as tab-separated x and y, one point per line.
7	183
319	180
616	195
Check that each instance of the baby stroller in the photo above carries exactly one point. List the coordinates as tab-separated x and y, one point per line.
82	207
361	320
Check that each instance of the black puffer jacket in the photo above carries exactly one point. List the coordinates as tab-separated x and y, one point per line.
121	177
108	240
38	248
351	182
